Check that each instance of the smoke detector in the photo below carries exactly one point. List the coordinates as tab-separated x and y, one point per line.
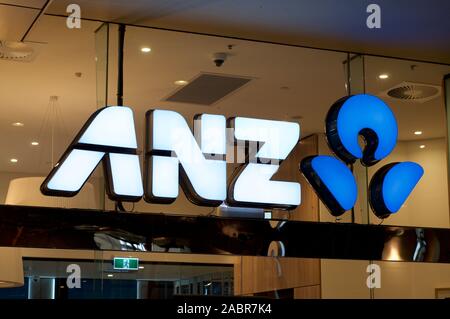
16	51
413	92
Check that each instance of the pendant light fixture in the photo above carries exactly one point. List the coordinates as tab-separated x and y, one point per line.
26	190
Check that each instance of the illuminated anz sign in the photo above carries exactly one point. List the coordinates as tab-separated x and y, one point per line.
175	156
197	161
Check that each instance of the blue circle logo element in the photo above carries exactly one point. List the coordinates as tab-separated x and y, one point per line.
361	115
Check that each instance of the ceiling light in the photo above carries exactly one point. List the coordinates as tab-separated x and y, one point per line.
141	267
422	146
383	76
35	143
146	49
110	275
181	82
18	124
418	133
13	160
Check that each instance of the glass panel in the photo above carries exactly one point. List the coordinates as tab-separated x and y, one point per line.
48	279
276	82
413	91
45	100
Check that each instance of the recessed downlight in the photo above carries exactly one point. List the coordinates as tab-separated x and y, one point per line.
34	143
422	146
17	124
146	49
418	133
13	160
181	82
383	76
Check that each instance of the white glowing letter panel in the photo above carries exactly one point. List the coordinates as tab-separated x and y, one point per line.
174	156
254	186
109	136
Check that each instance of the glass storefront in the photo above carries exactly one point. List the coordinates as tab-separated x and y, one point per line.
72	73
46	279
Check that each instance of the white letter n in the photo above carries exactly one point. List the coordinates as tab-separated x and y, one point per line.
173	156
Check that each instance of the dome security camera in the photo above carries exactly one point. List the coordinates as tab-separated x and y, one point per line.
219	58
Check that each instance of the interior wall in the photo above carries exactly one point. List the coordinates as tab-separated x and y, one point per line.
289	170
347	279
412	280
344	279
428	204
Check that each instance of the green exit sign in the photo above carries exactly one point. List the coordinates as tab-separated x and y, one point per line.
126	263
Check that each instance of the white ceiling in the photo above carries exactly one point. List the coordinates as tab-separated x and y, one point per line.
413	29
315	79
409	28
14	22
25	3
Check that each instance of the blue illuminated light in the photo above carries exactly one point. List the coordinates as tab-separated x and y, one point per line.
398	184
337	178
365	111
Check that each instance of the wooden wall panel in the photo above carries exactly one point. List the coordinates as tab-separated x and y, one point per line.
308	210
260	274
310	292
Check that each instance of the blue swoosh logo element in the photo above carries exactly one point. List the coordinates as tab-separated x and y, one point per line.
333	181
391	186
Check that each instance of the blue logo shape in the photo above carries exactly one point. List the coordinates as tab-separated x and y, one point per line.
348	119
391	185
334	180
365	115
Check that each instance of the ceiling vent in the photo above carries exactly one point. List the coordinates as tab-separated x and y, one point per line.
17	51
413	92
208	88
